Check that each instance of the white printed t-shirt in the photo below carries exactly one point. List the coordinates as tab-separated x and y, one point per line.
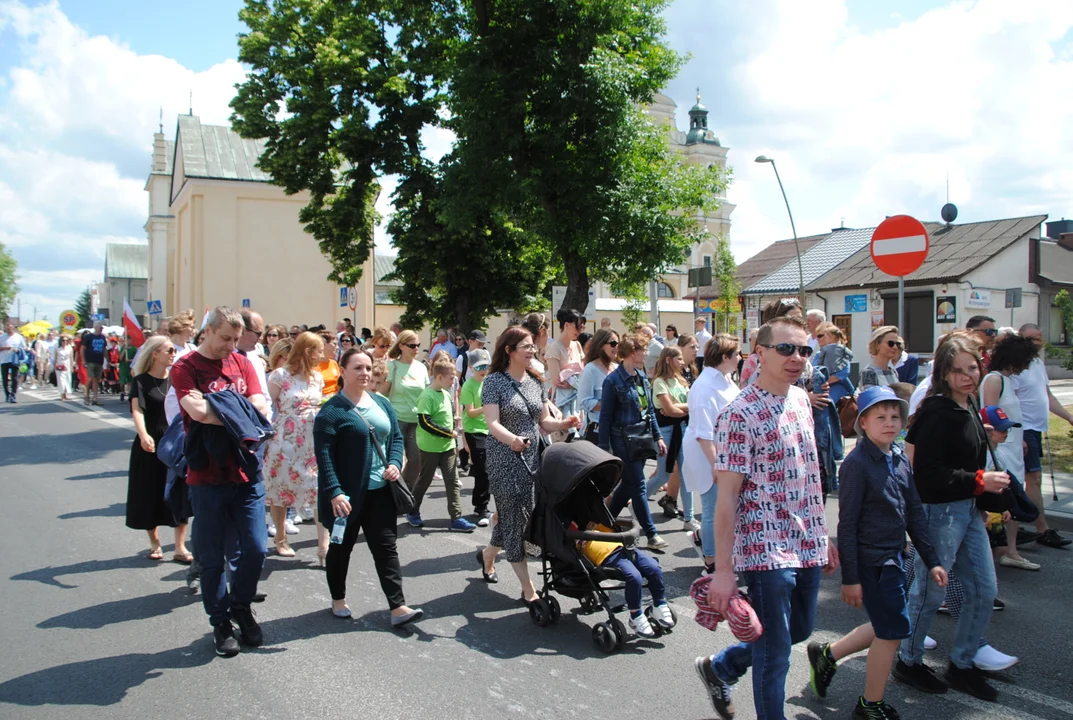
771	441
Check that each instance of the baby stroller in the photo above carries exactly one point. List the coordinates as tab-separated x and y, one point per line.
573	481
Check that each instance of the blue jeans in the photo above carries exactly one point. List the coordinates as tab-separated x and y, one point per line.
228	516
631	488
785	604
644	567
957	531
662	476
707	520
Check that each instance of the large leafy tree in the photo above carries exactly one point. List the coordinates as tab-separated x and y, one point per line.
555	165
83	307
9	286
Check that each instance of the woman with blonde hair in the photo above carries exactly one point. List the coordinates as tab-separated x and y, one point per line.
407	379
290	465
63	361
380	343
277	356
180	330
537	324
146	507
671	391
885	347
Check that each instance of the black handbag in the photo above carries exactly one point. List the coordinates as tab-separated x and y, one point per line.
640	445
404	499
988	501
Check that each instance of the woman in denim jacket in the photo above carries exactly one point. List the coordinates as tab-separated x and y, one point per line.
627	399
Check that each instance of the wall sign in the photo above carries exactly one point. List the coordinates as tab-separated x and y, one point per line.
946	309
978	299
856	303
877	319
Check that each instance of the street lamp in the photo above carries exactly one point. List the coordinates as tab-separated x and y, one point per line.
797	247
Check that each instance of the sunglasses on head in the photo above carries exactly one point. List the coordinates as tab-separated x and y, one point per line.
788	349
894	343
412	346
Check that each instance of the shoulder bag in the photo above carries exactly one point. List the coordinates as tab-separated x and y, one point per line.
640	445
404	499
847	415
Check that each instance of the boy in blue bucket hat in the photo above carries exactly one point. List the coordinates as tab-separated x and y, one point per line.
878	504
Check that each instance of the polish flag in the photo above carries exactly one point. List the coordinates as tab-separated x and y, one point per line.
132	326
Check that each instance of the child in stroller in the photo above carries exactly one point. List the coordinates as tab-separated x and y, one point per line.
636	569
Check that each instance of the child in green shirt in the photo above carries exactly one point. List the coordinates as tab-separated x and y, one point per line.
436	442
476	431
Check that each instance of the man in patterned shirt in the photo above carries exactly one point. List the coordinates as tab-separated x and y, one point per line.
769	520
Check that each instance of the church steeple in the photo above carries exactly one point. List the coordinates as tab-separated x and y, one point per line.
698	125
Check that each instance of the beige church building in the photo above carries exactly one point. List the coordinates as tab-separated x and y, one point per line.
220	233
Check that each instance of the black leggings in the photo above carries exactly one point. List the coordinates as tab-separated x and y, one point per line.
477	456
378	520
10	370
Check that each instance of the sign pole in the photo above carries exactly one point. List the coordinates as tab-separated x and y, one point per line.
901	304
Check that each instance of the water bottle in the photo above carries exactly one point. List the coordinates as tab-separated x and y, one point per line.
338	528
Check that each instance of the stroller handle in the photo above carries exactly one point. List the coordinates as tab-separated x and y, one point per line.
627	537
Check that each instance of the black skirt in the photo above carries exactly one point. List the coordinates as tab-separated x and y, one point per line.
146	506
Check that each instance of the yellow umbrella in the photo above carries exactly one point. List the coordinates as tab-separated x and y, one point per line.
44	324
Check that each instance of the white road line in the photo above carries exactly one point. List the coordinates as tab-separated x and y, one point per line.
75	406
1038	698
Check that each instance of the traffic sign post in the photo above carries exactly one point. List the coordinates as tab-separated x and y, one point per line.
154	307
899	247
343	297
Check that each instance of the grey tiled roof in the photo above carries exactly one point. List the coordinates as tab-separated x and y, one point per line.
954	251
819	259
382	265
126	260
765	262
169	156
218	152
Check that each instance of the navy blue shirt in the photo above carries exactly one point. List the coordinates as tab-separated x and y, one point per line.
877	504
93	346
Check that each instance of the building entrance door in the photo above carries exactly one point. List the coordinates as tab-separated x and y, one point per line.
919	330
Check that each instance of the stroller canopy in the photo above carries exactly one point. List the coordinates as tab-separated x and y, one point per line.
564	465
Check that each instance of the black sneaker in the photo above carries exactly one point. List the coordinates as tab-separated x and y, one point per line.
1051	538
919	677
998	605
718	690
248	629
224	636
880	711
822	668
971	682
1027	536
670	506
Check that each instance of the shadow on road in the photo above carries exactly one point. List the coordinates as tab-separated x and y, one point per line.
100	475
78	447
113	510
142	607
49	575
102	681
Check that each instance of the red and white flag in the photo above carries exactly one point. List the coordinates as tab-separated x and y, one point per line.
132	326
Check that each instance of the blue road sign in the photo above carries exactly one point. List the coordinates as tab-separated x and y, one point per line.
154	307
98	317
246	303
344	295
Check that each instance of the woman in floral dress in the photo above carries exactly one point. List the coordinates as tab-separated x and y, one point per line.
290	465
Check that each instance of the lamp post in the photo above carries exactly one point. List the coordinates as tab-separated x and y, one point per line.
797	247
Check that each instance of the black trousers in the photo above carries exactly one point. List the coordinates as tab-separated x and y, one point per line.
10	370
378	521
478	470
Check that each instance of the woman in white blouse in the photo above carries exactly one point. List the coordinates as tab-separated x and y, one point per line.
708	396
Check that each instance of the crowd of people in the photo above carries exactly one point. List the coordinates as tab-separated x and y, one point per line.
278	426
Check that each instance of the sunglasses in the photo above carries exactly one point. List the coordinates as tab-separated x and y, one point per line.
384	347
788	349
894	343
613	343
348	341
412	346
990	332
294	334
169	351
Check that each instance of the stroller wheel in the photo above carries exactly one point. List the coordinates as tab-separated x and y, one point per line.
589	605
553	608
620	632
540	612
656	627
604	637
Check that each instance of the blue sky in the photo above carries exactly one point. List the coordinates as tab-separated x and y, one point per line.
867	110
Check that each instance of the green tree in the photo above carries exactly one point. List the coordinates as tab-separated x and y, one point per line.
636	296
82	307
9	286
544	99
725	272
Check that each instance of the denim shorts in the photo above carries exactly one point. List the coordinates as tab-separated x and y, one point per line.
886	600
1034	451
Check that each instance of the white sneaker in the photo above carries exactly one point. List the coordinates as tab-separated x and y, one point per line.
929	643
305	512
297	519
271	530
641	626
663	615
438	475
291	528
690	525
988	658
656	543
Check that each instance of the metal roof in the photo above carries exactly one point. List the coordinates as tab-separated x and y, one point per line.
764	263
835	247
126	260
954	251
218	152
169	156
382	266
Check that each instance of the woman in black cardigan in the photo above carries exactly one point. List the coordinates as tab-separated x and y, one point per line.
352	482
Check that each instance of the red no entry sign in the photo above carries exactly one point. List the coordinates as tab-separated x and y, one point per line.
899	245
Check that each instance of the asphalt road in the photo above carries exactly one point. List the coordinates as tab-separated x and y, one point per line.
93	629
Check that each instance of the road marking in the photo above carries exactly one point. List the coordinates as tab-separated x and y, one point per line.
1038	698
75	406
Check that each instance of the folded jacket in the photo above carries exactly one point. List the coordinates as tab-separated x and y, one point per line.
740	617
